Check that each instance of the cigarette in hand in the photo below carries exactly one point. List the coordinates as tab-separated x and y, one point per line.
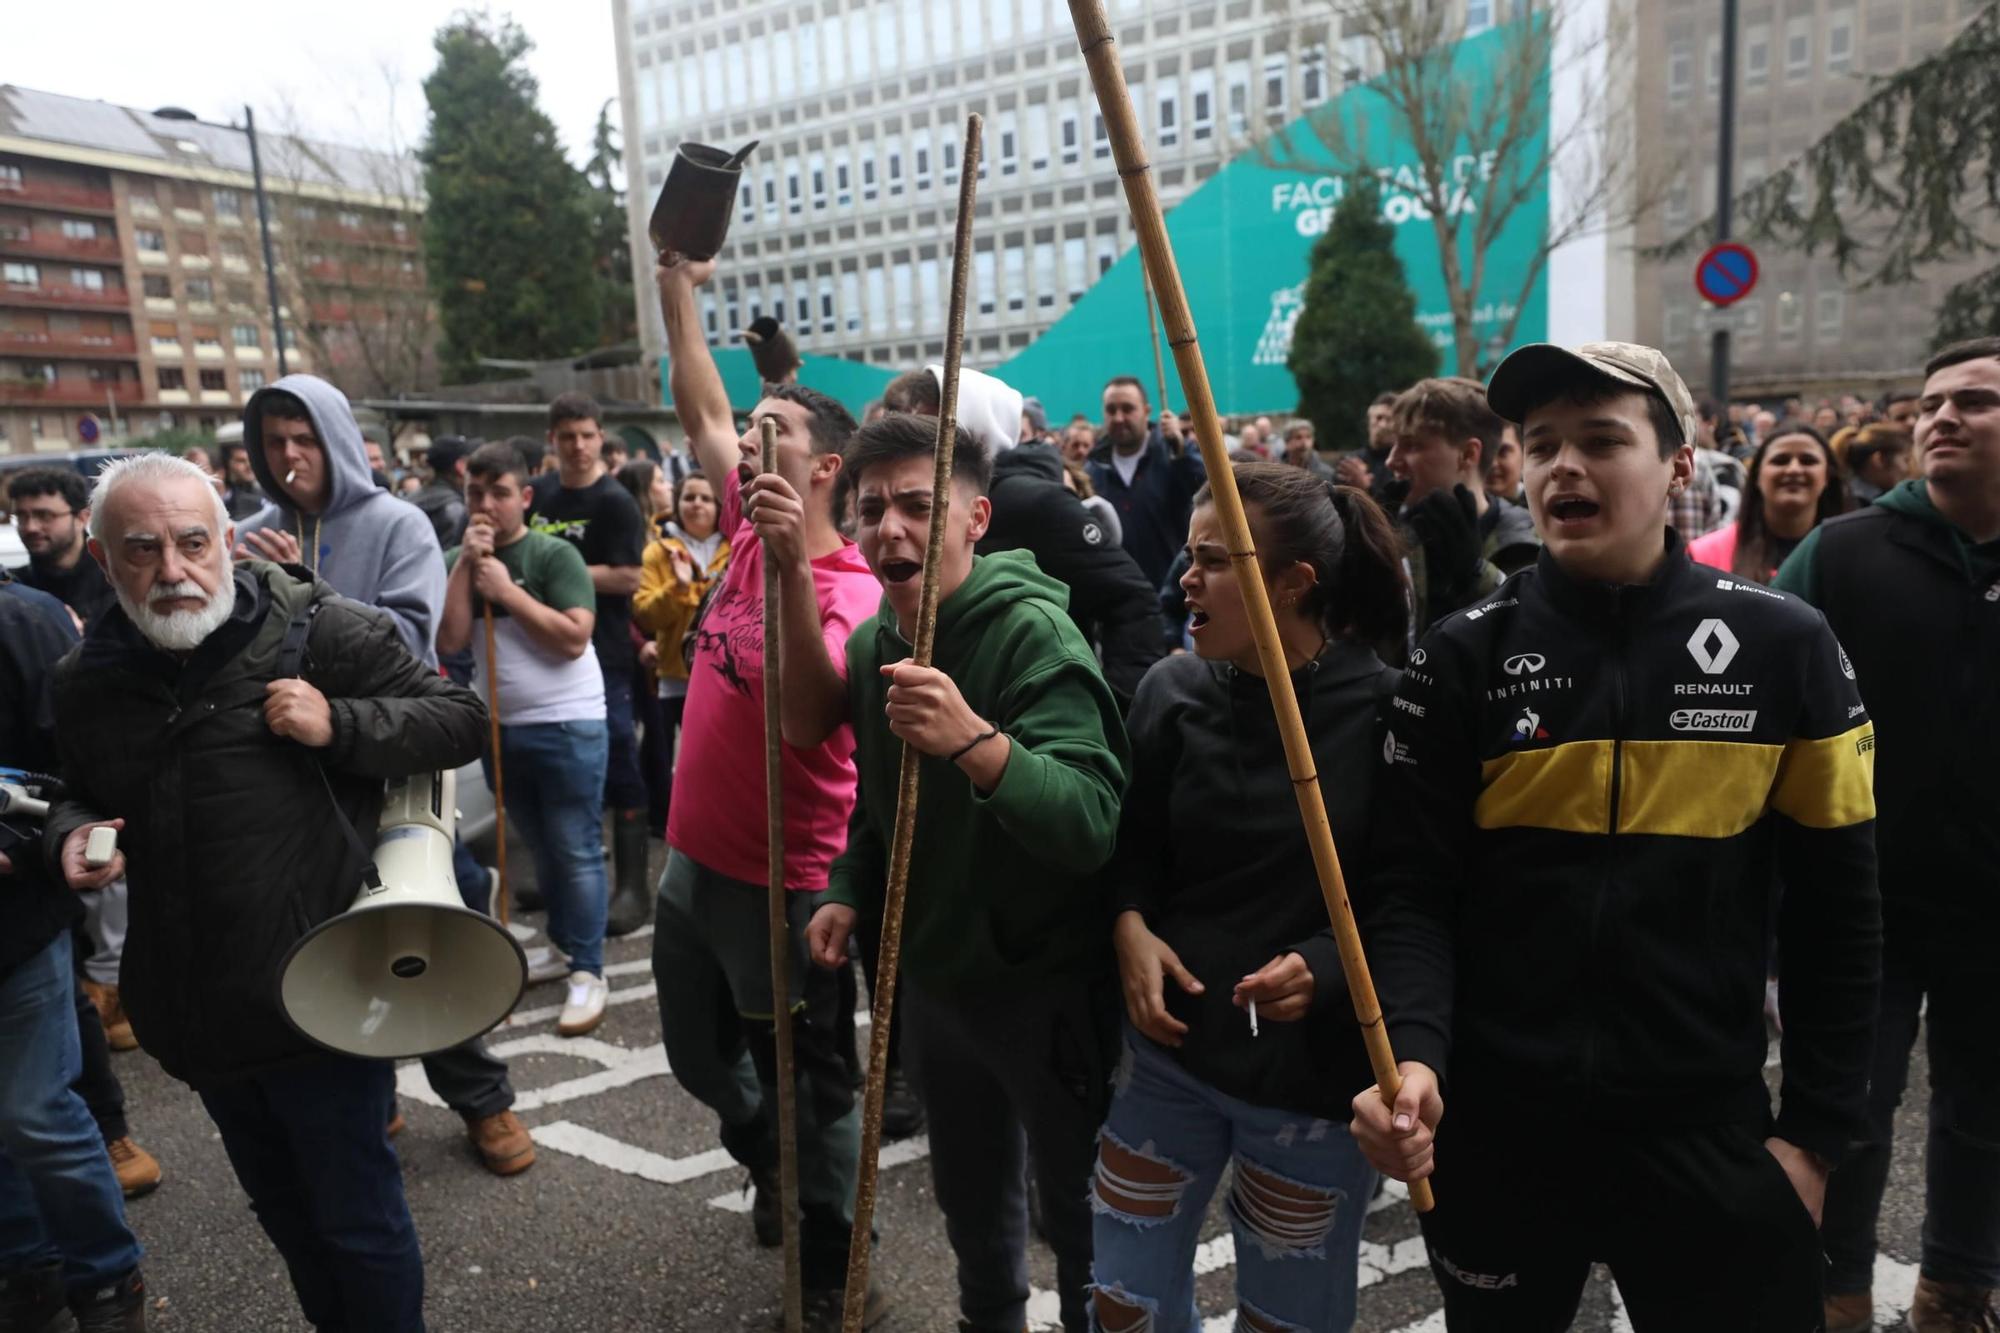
1253	1018
291	476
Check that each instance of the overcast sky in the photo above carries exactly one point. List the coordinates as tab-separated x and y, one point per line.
326	61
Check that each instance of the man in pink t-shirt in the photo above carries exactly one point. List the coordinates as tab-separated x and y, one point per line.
711	926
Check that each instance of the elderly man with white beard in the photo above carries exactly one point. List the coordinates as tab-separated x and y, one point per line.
179	725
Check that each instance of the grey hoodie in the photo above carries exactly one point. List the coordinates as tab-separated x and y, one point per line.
373	547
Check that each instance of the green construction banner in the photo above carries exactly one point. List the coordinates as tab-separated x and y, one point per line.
1243	239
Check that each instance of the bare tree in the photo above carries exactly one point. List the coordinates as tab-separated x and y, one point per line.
1486	139
350	251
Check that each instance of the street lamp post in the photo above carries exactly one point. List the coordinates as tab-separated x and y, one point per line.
249	131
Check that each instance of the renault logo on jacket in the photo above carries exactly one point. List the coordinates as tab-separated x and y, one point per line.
1716	659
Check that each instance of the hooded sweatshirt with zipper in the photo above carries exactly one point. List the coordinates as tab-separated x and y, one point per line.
371	546
1916	604
1003	884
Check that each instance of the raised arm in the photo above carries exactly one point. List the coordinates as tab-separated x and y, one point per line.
700	401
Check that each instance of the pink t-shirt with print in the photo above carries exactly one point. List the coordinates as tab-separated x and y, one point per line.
718	813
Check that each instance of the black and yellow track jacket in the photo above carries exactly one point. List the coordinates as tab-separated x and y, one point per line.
1587	792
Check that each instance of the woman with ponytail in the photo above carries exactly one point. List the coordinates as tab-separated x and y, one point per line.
1240	1046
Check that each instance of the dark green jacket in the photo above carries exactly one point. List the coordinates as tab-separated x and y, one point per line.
1002	883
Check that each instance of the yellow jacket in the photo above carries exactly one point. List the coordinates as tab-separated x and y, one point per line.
664	606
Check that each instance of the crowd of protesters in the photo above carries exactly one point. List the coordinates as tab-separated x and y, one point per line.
1592	675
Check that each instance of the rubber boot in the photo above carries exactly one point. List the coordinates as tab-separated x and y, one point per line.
631	903
31	1300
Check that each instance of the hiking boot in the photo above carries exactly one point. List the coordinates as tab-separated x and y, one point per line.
31	1299
502	1142
546	963
902	1113
583	1009
631	898
117	1028
1850	1312
117	1307
1952	1307
138	1173
767	1218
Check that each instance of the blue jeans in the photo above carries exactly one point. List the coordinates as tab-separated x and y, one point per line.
1297	1202
624	783
309	1147
555	794
58	1197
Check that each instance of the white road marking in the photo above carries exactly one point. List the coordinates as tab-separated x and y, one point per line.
621	1067
606	1151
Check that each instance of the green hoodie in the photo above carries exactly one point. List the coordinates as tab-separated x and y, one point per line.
1800	573
1002	883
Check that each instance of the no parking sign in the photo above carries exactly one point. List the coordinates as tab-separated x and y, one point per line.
1726	273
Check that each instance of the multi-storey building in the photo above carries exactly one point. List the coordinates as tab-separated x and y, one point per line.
844	222
1801	66
133	290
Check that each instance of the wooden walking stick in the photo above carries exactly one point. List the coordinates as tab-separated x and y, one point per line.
1153	339
777	921
1100	51
906	782
499	776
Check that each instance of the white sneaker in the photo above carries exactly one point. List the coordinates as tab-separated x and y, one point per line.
546	963
583	1010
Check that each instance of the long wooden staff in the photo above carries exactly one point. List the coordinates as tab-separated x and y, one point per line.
778	922
1100	51
499	775
1153	340
906	783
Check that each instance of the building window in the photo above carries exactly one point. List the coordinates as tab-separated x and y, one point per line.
201	290
948	154
1045	275
232	248
1840	39
10	177
850	297
1239	96
79	229
157	287
1756	55
1038	139
88	279
1014	277
922	158
245	335
982	280
895	171
1170	116
210	340
22	275
1798	47
1274	87
1478	15
250	380
1075	268
1788	317
868	174
1750	320
1010	145
1100	138
149	238
749	202
349	219
904	279
212	379
770	195
227	203
1107	253
818	168
843	188
1713	64
878	299
1829	314
1202	100
172	378
794	201
1680	70
1069	141
1312	76
931	307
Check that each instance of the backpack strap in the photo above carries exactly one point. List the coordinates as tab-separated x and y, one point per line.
291	661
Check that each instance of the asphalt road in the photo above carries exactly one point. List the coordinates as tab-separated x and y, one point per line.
633	1220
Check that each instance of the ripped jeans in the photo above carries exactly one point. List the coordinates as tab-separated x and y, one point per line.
1297	1201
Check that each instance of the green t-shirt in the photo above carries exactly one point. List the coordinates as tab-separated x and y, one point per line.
548	567
536	684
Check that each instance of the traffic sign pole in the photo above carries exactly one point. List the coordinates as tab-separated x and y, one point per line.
1725	185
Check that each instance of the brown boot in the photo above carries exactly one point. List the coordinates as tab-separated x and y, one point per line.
117	1028
1952	1307
1850	1312
502	1141
138	1172
396	1124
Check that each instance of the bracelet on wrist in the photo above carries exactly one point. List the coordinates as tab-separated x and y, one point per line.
972	744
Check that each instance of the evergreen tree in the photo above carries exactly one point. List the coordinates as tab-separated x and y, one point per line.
611	241
508	228
1358	333
1908	179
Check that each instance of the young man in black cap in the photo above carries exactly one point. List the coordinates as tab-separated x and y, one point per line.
1592	776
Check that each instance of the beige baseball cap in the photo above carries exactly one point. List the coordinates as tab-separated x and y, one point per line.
1527	370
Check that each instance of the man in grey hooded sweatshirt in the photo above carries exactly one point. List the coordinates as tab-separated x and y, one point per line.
327	514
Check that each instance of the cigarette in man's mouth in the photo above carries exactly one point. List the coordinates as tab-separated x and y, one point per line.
291	476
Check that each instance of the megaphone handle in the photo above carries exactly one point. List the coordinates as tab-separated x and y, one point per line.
500	906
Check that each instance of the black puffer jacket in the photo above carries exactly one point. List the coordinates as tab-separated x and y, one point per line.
232	852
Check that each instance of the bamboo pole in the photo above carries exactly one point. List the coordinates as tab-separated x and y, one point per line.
500	907
778	923
1153	339
897	891
1100	52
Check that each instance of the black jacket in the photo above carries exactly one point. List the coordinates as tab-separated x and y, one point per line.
1211	850
1918	609
231	849
1573	845
1109	598
35	905
445	508
1154	508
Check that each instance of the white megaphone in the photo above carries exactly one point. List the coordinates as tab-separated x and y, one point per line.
408	969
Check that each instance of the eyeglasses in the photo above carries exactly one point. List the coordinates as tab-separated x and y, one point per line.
43	515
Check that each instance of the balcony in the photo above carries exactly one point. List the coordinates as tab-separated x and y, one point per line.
167	351
175	397
208	352
199	262
82	393
86	345
191	216
216	398
63	295
68	198
153	258
56	245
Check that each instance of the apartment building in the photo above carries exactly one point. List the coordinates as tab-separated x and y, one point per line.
1801	66
133	295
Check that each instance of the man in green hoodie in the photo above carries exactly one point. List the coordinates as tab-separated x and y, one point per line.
1911	585
1009	997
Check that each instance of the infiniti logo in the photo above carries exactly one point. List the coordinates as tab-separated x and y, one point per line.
1529	663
